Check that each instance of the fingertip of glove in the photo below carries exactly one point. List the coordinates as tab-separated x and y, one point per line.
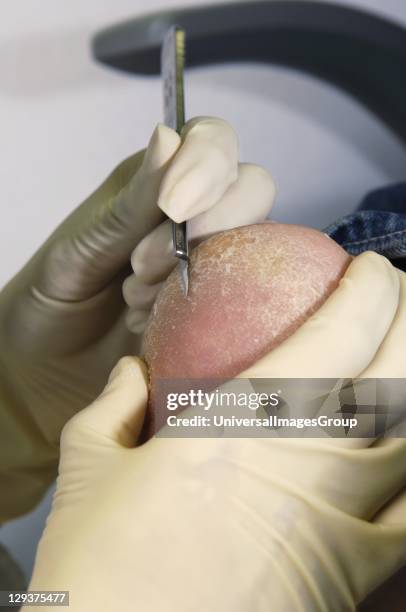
377	265
162	146
130	367
164	134
372	258
171	211
258	180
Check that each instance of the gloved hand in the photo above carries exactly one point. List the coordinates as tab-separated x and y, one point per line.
236	524
194	188
62	318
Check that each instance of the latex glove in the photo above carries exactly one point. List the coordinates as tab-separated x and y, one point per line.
62	318
239	525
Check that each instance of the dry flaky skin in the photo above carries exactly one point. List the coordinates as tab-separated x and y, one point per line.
250	288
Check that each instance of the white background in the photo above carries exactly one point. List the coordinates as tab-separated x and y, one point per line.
65	122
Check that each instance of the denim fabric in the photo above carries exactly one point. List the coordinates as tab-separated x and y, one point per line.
379	224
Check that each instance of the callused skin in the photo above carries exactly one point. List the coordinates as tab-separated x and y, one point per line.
250	288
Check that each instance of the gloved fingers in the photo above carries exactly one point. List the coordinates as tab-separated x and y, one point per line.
153	258
378	475
385	546
391	478
358	554
357	482
117	415
248	200
95	242
203	169
140	299
394	512
136	320
139	295
342	337
389	361
363	554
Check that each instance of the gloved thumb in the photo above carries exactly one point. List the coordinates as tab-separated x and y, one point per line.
117	415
